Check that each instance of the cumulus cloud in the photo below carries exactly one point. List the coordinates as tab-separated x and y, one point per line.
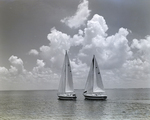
54	53
18	74
80	16
135	72
42	73
59	40
111	51
16	71
136	69
13	70
40	66
80	72
3	71
143	47
40	63
33	52
17	63
139	66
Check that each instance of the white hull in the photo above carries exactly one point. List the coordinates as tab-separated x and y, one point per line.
67	97
95	97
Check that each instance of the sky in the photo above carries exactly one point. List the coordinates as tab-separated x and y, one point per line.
34	35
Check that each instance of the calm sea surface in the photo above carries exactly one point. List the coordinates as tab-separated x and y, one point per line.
122	104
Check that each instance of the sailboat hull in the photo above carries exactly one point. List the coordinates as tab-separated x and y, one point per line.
95	97
67	97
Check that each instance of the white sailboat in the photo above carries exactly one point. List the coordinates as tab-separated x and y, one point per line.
94	88
66	90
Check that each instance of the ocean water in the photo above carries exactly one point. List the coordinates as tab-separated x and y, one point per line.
122	104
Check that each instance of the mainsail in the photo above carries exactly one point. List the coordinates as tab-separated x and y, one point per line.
89	83
98	84
66	82
69	81
94	82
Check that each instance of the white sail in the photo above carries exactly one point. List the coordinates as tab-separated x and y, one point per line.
94	82
89	82
61	89
69	81
66	82
98	84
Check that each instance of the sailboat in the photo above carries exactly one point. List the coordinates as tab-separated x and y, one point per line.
94	88
66	90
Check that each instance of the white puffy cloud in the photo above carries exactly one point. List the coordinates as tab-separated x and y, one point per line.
54	53
80	16
40	66
80	72
79	69
96	26
42	73
40	63
33	52
3	71
111	51
13	70
139	66
77	39
136	69
135	72
59	40
143	47
17	62
17	74
16	71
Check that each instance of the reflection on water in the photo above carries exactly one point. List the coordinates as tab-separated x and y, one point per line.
95	108
132	104
66	109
